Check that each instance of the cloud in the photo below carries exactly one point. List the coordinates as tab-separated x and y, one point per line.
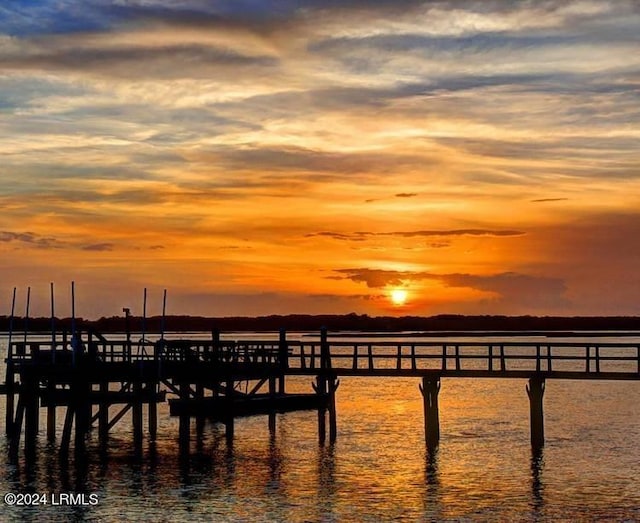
543	200
376	278
139	61
527	291
99	247
512	292
363	235
31	239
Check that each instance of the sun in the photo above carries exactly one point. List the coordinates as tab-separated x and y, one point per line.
399	296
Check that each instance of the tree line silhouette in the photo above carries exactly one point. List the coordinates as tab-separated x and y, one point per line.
347	322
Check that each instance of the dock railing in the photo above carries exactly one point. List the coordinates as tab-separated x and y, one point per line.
358	357
472	356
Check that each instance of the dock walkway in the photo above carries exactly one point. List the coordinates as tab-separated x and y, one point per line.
98	381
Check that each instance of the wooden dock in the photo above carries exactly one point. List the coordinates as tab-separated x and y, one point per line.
88	377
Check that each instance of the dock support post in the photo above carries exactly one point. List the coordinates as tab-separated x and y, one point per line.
153	410
66	431
51	423
30	390
51	412
200	419
283	356
185	420
323	386
272	412
103	413
136	413
430	388
535	391
320	388
10	390
229	421
82	392
333	384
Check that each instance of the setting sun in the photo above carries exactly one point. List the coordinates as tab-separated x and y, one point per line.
398	296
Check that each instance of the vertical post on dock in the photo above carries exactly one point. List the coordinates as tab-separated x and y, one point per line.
144	316
103	413
283	357
332	385
51	408
320	388
185	420
9	379
51	411
272	412
66	431
215	346
75	342
10	395
429	389
30	392
535	391
26	315
136	413
200	419
229	419
325	355
153	409
81	391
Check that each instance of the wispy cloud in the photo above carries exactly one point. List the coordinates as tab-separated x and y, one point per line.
363	235
31	239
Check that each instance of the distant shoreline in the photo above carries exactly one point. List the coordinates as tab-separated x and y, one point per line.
441	325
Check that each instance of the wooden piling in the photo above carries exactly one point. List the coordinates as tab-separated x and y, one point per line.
103	414
430	388
185	420
10	396
283	356
136	413
66	431
272	412
152	410
322	384
200	419
535	391
51	414
31	402
320	388
10	380
229	422
333	384
16	427
81	394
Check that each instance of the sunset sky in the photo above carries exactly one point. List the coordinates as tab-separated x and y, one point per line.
315	156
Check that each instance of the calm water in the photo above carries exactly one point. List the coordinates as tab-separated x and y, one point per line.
378	470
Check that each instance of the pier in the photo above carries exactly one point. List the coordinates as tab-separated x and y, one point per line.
94	382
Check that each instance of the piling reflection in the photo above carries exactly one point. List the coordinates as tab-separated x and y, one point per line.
276	463
432	488
537	485
327	491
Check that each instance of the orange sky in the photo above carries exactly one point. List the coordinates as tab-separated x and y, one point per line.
261	158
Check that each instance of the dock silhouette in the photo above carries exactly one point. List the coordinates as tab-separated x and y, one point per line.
89	377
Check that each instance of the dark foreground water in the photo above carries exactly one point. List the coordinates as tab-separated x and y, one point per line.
378	470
